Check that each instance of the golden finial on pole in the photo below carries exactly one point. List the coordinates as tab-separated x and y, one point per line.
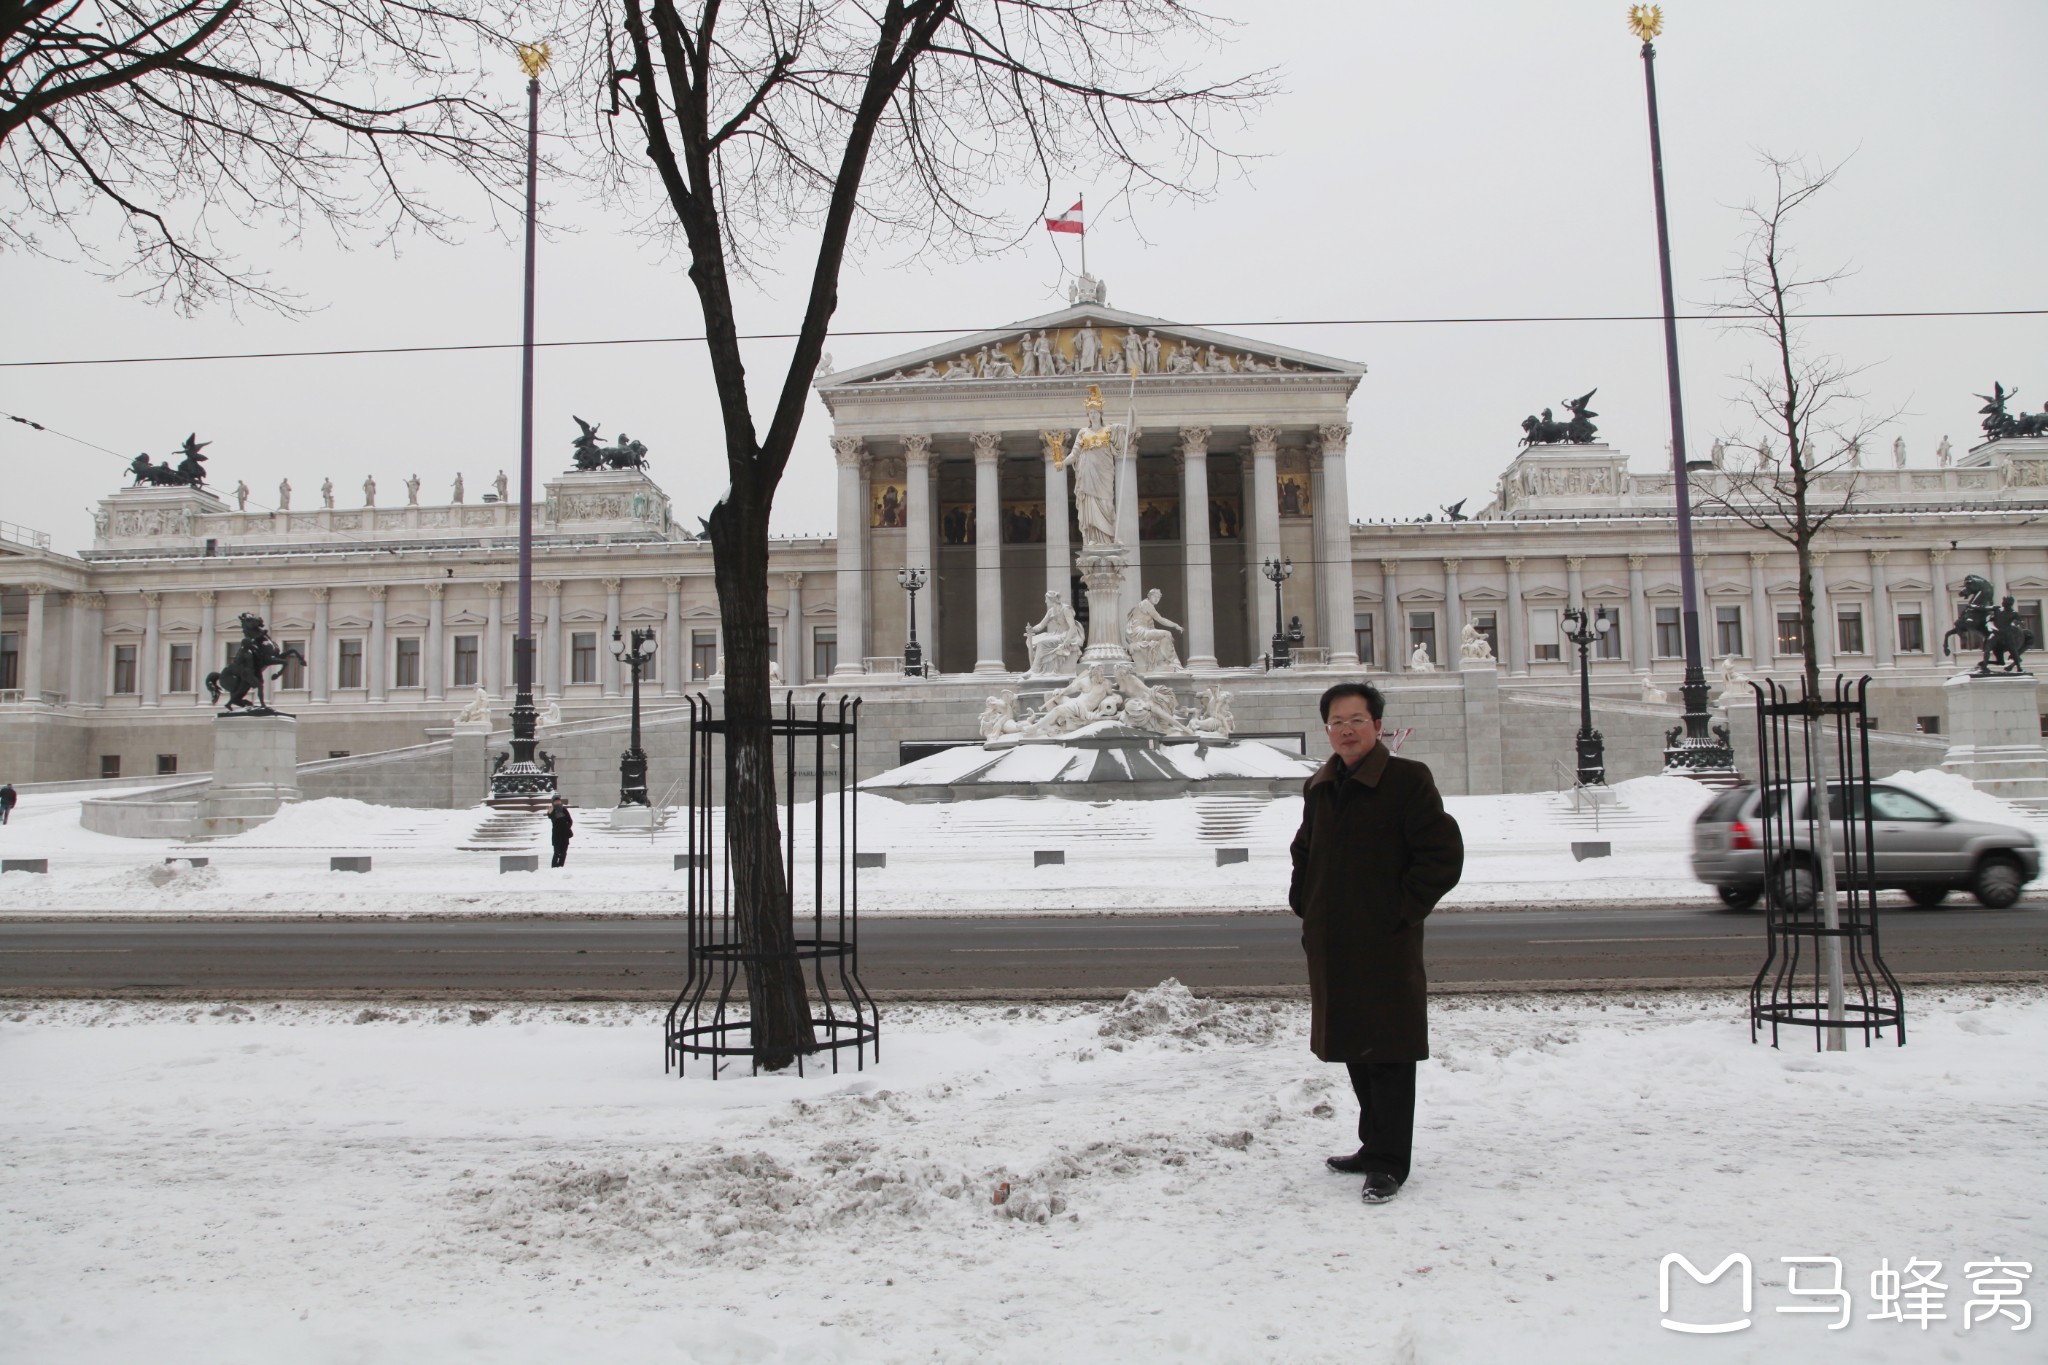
534	57
1646	21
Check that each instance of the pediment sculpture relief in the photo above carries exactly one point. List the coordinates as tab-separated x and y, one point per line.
1050	353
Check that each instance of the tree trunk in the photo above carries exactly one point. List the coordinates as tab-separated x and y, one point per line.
1817	746
777	1005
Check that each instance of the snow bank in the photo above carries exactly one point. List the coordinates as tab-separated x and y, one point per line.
1137	1182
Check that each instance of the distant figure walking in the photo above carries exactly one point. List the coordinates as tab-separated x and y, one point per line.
7	799
564	830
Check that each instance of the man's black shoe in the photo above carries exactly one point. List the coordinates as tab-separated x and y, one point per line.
1354	1164
1379	1188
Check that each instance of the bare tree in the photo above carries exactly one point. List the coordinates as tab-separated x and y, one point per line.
856	121
176	121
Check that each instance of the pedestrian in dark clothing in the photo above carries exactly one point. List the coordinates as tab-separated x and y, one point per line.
564	830
7	799
1375	853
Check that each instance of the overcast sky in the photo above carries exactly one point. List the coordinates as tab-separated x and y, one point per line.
1420	161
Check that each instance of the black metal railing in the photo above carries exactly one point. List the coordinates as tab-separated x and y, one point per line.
1813	770
816	782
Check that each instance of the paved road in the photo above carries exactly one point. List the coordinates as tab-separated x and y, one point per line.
643	959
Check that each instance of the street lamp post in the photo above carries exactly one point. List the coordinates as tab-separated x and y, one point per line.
1279	571
529	776
913	653
633	763
1592	749
1698	751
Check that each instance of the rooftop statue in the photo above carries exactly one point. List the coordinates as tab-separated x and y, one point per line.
189	472
591	454
1547	430
1999	424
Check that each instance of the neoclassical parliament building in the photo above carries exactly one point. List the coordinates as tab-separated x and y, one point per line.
951	461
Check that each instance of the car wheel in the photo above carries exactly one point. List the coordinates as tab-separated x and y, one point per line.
1927	897
1997	883
1739	897
1796	887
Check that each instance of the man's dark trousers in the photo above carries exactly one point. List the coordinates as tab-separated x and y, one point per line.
1386	1115
562	856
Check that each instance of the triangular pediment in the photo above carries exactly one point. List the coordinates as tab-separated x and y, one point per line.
1089	342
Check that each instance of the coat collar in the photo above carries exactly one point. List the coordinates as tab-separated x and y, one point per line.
1369	771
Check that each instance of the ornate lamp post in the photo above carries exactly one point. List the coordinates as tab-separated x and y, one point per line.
633	762
913	653
1699	751
1279	571
529	775
1592	749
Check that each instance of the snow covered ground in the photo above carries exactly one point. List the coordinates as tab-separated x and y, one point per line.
963	858
324	1184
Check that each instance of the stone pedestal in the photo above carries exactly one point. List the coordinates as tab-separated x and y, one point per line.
255	771
633	817
1102	570
1996	725
1481	681
470	771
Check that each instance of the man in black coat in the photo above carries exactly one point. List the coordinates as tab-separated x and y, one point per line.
564	829
1375	853
7	800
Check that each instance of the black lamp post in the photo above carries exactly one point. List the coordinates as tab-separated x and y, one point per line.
1699	750
1279	571
913	653
1592	749
633	763
529	775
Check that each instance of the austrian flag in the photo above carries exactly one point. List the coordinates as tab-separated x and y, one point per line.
1070	221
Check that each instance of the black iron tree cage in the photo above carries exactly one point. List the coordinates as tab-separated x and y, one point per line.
711	1016
1803	977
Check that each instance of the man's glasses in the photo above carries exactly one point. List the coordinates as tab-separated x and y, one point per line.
1339	726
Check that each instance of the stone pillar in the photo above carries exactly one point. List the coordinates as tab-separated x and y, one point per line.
1638	616
152	644
551	655
209	652
1481	682
675	653
376	662
1881	609
1248	533
1264	518
88	648
32	645
255	771
1705	606
493	643
1998	554
917	536
1396	645
1574	581
1823	615
1515	630
1127	524
610	671
1763	631
1335	570
437	642
1995	732
793	634
1059	552
851	623
1199	602
1944	607
988	552
322	663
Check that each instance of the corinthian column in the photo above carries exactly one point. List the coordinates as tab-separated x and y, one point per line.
1200	605
1335	570
322	664
1127	522
152	644
376	660
1264	520
1880	609
851	622
437	640
676	658
1059	554
988	553
209	658
917	533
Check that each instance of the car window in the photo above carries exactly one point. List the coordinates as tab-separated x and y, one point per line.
1889	803
1835	802
1726	806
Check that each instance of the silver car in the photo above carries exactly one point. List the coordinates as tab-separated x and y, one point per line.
1918	848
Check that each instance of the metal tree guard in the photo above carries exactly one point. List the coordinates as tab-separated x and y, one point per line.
709	1017
1792	987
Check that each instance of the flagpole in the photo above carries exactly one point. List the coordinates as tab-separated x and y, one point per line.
1082	203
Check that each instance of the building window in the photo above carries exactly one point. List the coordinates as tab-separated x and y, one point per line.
468	659
166	765
1361	632
1791	633
1544	641
1607	643
1727	631
1670	634
1927	725
294	675
406	669
1849	630
181	668
2030	617
703	654
1422	632
1488	625
583	656
10	661
110	765
824	651
348	670
124	670
1912	636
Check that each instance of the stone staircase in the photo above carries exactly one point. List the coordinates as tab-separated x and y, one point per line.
1228	819
505	831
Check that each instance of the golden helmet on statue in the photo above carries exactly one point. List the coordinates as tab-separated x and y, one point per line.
1094	398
